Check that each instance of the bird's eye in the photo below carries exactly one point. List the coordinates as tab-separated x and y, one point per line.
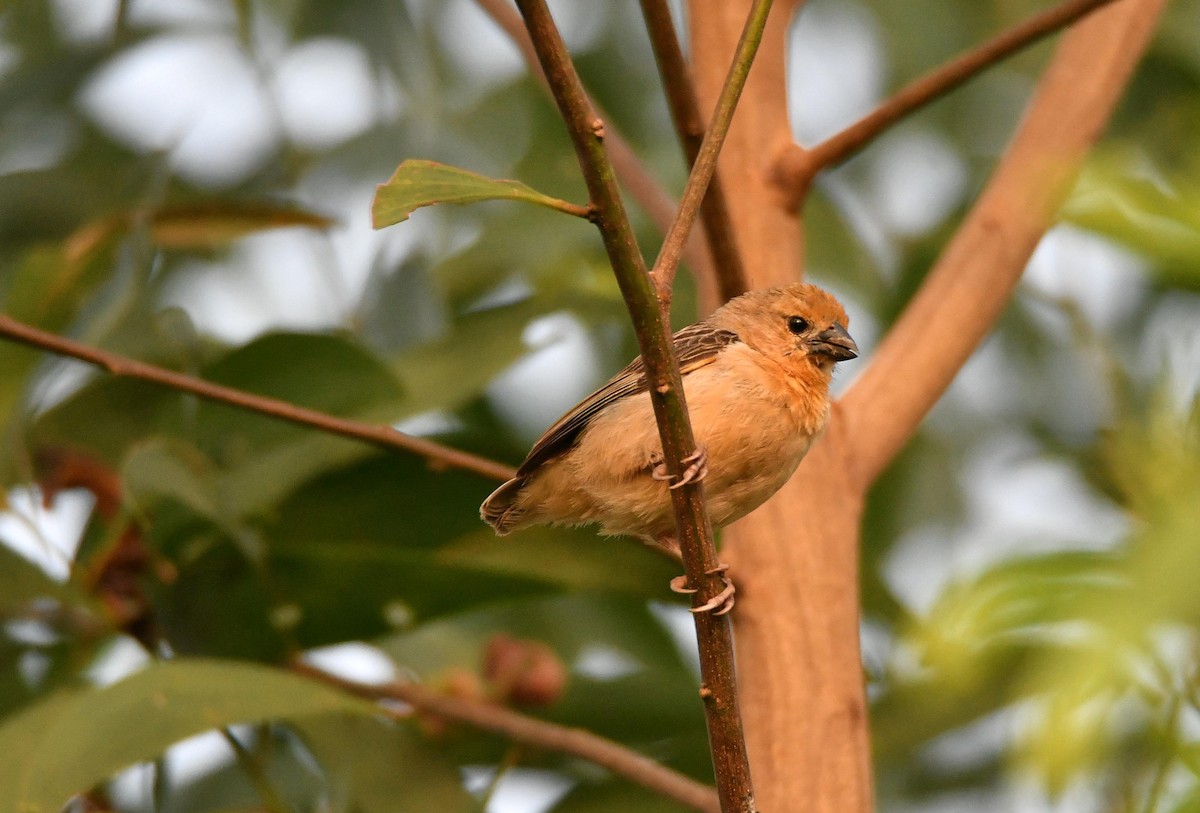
797	324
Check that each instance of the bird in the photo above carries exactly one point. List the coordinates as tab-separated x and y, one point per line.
756	376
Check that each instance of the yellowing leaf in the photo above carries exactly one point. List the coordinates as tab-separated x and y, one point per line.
201	225
214	224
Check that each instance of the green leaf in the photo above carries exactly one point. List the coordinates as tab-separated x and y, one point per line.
386	500
21	582
426	183
288	366
979	641
1015	597
390	586
46	288
229	788
571	558
563	259
589	797
24	591
1157	216
1187	803
105	418
447	373
373	530
378	766
260	459
202	225
162	468
219	604
78	738
263	458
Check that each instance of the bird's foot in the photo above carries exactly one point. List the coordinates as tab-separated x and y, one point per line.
658	467
697	468
721	603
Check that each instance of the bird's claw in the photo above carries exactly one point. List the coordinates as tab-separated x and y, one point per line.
697	469
679	585
721	603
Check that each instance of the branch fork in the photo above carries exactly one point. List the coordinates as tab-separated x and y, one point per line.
794	169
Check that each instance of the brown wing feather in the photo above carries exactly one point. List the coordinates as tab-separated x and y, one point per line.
695	346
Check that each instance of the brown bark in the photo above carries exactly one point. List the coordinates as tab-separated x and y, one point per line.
795	560
797	615
694	532
768	235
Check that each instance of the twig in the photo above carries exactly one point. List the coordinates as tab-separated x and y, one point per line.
532	731
965	291
710	148
511	759
121	19
694	531
689	126
1158	780
641	184
377	435
796	166
271	799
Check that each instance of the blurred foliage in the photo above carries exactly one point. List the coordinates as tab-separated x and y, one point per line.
1008	658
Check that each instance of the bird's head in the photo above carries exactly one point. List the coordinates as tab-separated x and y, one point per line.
794	324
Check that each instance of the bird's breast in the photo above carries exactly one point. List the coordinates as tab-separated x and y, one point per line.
756	423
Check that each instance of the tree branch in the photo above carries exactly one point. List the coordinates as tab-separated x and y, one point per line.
530	731
642	186
969	286
689	127
796	166
710	148
694	530
383	436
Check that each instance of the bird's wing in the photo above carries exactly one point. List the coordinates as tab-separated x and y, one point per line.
695	346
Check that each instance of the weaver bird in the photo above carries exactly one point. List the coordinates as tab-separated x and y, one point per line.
756	379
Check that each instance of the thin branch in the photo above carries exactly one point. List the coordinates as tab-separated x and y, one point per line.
967	288
634	176
531	731
689	127
1170	733
121	19
256	772
710	148
796	166
693	528
511	759
383	436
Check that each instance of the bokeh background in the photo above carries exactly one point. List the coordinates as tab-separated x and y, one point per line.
189	182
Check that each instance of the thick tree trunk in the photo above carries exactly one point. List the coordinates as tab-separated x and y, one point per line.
768	235
795	560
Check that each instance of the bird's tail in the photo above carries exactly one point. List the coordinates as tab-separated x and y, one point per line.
501	509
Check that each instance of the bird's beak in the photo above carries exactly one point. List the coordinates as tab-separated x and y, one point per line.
835	343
